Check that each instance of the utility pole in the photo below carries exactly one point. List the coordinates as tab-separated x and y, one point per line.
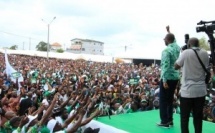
23	46
48	43
30	43
48	24
127	47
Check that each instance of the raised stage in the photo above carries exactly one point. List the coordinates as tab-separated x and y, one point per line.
142	122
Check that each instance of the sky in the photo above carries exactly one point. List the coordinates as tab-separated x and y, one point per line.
138	25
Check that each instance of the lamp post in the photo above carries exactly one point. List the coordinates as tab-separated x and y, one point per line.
48	24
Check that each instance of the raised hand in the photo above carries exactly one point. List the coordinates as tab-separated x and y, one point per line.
168	28
96	113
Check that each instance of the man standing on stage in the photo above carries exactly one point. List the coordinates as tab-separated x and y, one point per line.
193	87
169	80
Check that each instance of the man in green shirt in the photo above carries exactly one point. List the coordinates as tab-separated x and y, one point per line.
169	80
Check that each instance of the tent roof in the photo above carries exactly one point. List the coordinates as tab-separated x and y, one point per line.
65	55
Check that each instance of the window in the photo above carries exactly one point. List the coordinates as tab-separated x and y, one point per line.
100	44
100	50
83	49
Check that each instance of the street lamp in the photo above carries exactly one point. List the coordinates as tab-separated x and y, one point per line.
48	24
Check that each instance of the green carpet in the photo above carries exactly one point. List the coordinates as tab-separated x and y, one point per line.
145	122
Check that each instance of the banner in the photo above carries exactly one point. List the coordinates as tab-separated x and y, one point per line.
134	81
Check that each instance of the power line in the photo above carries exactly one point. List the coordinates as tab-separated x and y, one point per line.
29	38
123	47
19	35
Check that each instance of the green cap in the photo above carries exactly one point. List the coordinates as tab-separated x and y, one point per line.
7	125
35	129
68	109
44	129
47	93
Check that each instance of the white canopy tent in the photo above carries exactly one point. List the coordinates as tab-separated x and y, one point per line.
65	55
126	56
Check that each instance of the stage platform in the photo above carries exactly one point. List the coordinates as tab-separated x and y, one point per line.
142	122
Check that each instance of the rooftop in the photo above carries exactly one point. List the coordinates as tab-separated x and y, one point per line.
56	44
86	40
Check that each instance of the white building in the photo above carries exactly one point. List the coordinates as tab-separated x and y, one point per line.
86	46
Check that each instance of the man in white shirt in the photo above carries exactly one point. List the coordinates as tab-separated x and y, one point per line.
193	87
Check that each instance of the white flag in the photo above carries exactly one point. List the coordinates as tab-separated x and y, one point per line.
10	71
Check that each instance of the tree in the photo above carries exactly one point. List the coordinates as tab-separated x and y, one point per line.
60	50
42	46
14	47
204	44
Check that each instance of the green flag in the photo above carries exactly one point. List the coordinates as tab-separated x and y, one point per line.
16	74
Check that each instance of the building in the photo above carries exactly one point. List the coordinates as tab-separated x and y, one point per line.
86	46
56	46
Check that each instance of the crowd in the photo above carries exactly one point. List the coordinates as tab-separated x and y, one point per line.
65	95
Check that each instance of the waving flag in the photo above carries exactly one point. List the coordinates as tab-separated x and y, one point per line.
12	73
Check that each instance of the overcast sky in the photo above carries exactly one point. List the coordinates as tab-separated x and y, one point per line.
137	24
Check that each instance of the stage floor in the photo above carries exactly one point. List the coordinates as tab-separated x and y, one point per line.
145	122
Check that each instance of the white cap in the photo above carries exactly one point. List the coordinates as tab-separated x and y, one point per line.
31	118
51	124
127	86
45	102
59	120
45	87
110	87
